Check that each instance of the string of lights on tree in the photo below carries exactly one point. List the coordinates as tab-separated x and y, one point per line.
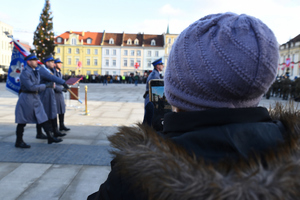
43	39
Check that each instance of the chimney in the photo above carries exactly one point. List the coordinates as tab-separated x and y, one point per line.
82	33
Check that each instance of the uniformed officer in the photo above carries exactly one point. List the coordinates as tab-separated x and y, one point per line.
149	108
29	108
60	101
48	95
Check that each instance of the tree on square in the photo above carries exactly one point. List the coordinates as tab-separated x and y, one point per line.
43	39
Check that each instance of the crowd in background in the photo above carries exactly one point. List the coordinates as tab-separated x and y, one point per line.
92	78
285	88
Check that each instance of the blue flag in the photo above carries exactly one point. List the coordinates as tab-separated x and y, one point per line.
17	64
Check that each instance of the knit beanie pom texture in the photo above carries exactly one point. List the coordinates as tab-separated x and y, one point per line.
221	60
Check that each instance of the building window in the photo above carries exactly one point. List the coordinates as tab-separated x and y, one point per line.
69	61
114	63
136	42
96	72
138	52
73	41
69	50
107	51
77	51
125	62
96	52
76	61
95	62
149	53
58	50
106	62
59	39
156	53
114	52
139	61
129	41
149	63
88	72
111	41
88	61
88	51
153	43
89	41
132	52
131	62
125	52
169	41
114	73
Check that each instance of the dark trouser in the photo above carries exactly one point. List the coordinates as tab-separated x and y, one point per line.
61	118
19	132
149	112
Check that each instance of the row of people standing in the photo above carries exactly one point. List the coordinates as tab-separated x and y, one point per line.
128	79
37	103
285	88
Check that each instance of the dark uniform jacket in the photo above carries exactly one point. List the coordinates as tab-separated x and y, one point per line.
153	75
215	154
29	108
60	101
48	95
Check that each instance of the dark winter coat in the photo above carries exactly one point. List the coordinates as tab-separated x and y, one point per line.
244	154
29	108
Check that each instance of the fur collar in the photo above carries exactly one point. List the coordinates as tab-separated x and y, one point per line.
165	171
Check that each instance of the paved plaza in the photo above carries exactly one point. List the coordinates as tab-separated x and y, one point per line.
76	167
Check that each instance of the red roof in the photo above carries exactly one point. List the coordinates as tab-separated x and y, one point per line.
159	40
117	37
95	36
132	37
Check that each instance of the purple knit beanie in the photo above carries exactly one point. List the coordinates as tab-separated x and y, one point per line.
221	60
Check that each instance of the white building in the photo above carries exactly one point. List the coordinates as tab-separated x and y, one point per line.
111	53
153	50
5	48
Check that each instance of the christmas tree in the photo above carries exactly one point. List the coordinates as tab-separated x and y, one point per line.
43	39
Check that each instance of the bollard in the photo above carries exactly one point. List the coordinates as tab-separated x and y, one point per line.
86	110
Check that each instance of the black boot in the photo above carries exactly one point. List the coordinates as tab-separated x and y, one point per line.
39	133
55	129
62	126
19	141
51	138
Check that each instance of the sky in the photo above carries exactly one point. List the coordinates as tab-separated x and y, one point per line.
149	17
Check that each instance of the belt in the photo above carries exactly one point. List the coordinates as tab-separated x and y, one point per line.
29	92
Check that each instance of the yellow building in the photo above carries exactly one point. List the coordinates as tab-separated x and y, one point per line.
80	52
169	41
290	51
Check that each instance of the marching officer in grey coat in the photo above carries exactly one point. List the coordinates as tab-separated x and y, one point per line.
60	101
29	108
48	95
158	67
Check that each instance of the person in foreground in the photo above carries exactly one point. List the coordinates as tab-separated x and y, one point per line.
217	143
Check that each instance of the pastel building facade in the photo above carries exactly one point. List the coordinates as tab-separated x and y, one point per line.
153	50
80	52
169	41
291	51
5	46
132	54
111	53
